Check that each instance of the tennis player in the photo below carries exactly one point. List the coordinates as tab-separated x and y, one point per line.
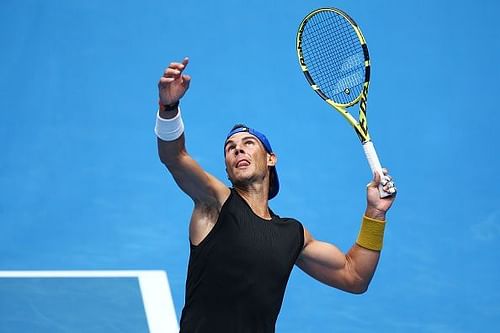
242	253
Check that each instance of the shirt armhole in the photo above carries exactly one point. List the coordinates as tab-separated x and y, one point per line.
214	229
301	239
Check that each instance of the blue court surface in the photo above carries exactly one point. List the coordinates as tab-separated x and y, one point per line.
82	189
86	301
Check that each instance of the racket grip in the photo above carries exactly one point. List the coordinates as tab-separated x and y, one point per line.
371	156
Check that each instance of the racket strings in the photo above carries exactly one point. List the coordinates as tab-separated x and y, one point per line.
334	56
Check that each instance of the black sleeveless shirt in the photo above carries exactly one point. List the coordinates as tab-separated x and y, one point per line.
237	275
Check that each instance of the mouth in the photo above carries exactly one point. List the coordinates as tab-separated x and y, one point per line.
242	163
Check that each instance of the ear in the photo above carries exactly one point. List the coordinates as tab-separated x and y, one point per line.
272	159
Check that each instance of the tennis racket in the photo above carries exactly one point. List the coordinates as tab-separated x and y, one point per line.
334	59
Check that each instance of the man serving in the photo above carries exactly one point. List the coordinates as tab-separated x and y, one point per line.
242	253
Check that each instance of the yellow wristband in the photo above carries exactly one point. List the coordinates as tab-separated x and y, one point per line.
371	234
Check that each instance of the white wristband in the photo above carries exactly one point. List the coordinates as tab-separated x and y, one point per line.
169	129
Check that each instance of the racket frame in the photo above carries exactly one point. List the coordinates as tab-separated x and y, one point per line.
361	125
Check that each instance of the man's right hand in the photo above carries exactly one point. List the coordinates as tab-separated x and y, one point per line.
173	84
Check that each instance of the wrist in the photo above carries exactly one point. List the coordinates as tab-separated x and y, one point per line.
375	213
167	114
168	111
371	234
171	127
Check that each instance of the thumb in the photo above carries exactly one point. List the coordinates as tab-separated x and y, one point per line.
186	80
375	181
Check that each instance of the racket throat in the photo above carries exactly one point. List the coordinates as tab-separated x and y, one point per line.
362	128
362	136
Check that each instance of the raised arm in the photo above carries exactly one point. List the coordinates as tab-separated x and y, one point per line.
352	271
203	188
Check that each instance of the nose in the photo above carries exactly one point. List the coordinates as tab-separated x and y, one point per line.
239	149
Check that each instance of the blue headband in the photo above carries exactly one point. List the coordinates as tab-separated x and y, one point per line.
262	138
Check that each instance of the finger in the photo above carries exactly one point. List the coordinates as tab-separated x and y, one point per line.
166	80
186	79
180	66
379	179
386	177
390	187
390	190
175	66
171	72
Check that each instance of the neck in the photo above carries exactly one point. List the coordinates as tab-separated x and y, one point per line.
257	200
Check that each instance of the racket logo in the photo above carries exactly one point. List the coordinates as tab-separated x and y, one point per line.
362	110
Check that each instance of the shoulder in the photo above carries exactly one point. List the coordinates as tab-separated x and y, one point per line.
290	220
305	235
294	224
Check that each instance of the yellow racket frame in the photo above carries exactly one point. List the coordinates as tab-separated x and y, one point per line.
360	125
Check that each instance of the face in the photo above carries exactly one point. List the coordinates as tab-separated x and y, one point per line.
247	161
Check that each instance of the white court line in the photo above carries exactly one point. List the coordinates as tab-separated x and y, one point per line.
155	291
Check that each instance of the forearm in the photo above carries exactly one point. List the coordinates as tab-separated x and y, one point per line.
364	255
361	263
170	152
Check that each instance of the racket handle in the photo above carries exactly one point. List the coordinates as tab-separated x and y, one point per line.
371	156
